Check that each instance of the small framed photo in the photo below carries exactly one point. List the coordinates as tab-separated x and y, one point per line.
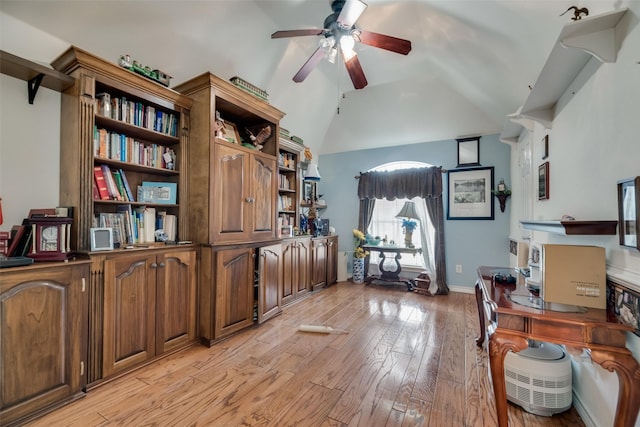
545	147
469	151
230	133
543	181
629	212
286	231
309	192
470	193
101	238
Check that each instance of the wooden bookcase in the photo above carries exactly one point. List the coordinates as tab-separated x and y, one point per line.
233	206
149	103
289	182
233	187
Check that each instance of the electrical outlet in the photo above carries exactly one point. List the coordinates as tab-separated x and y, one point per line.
458	268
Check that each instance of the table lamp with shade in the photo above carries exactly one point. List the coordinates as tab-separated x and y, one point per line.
408	214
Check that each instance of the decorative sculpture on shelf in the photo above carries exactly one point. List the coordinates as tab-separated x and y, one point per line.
577	12
259	139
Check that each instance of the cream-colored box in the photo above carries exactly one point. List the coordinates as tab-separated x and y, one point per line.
573	274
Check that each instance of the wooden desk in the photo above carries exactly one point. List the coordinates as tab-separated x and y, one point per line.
389	275
510	325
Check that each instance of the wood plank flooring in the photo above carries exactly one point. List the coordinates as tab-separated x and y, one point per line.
408	360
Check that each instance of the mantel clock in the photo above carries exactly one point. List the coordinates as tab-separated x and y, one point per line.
51	235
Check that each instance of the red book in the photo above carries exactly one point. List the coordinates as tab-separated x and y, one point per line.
101	183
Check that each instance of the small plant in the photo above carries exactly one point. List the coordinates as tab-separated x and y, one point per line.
360	252
409	225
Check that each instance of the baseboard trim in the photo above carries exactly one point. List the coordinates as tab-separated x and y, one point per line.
583	412
462	289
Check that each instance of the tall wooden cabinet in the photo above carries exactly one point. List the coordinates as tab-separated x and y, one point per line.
233	189
146	127
142	300
43	313
332	259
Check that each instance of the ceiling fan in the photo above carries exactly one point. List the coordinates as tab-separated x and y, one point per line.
340	32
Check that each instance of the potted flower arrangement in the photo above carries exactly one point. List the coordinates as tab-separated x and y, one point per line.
359	253
408	225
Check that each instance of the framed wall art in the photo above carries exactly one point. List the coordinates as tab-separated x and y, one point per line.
629	212
545	147
543	181
470	193
469	151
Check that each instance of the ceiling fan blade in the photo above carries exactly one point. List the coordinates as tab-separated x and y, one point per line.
350	12
382	41
296	33
309	65
355	71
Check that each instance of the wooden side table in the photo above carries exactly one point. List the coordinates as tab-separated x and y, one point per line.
392	276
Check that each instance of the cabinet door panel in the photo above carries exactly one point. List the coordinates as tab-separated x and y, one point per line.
332	260
230	206
264	174
269	301
175	300
304	270
319	263
289	271
234	290
41	338
129	312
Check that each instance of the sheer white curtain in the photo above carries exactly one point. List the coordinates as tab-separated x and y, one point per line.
427	237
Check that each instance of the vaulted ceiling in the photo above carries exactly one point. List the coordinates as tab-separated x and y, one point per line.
471	61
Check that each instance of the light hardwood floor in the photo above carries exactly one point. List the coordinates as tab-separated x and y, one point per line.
408	360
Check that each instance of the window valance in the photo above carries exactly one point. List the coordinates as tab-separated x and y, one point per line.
402	183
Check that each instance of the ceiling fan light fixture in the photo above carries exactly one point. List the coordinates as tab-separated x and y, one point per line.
346	45
331	55
327	43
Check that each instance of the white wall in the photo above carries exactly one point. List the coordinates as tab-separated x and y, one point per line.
29	134
592	145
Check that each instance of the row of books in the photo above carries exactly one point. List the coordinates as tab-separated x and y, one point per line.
117	146
284	182
287	160
138	226
137	114
111	185
285	203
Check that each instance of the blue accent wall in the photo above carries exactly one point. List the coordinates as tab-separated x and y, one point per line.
468	242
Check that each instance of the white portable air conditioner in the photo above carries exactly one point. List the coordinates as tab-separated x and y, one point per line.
538	378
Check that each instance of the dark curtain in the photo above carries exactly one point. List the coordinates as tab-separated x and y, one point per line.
407	184
366	212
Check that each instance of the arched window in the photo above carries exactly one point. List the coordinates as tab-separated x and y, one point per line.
386	224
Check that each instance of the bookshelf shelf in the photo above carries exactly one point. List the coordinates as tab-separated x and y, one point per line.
136	131
136	167
34	74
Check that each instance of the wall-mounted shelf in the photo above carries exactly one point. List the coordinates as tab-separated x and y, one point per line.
607	228
513	127
34	74
578	42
